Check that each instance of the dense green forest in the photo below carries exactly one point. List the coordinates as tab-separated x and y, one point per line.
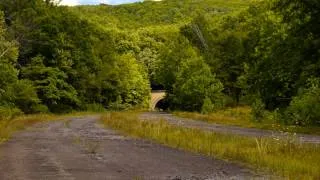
207	55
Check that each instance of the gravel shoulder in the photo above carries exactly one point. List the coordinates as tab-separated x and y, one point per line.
79	148
226	129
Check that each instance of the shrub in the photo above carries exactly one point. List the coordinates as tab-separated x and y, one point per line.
304	109
118	105
7	113
95	107
207	106
258	110
228	101
61	108
22	94
39	108
195	82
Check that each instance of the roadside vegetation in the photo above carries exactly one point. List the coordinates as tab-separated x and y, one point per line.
242	116
9	126
282	157
207	55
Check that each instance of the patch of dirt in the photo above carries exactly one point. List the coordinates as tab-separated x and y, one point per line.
79	148
227	129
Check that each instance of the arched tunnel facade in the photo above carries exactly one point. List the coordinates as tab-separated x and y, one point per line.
157	100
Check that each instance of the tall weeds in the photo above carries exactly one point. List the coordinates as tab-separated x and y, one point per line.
9	126
242	116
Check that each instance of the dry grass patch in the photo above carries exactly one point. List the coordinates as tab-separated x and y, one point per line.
282	157
9	126
241	116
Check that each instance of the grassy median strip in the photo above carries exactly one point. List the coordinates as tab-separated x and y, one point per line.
241	116
283	157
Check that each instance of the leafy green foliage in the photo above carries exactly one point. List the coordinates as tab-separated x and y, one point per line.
8	57
206	54
51	84
207	106
304	109
258	110
268	50
22	94
7	113
171	58
14	94
70	61
194	83
151	13
94	108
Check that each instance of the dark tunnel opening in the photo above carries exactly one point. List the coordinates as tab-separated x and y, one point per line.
162	105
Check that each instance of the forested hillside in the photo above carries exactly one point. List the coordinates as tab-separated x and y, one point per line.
149	13
207	55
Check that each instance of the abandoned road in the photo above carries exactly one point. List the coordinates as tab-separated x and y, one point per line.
79	148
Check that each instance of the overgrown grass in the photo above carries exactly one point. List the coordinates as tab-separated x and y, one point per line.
241	116
9	126
281	157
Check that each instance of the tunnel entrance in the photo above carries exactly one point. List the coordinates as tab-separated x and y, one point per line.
162	105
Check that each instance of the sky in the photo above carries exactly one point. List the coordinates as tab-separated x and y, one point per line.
81	2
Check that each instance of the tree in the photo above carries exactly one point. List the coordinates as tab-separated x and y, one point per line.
13	92
194	84
221	41
171	57
134	86
8	57
51	85
22	94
